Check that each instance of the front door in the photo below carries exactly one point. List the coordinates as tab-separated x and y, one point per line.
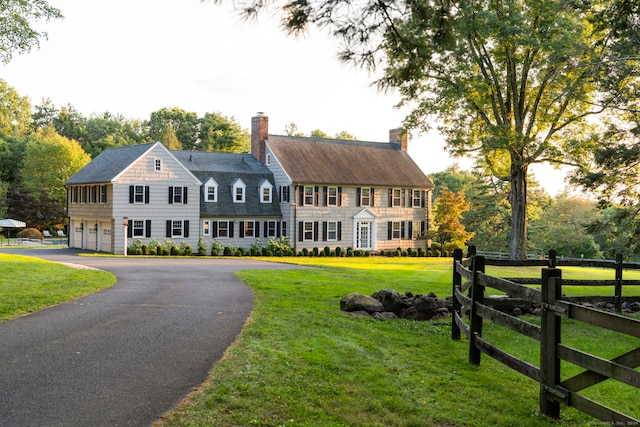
363	240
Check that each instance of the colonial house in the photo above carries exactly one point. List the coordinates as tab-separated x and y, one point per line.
317	192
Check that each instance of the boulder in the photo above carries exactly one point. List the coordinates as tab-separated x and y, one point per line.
356	301
390	299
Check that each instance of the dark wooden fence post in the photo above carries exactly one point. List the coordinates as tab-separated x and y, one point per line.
477	297
552	258
618	287
457	284
550	328
471	251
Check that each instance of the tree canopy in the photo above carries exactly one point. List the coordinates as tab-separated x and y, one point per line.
17	34
511	82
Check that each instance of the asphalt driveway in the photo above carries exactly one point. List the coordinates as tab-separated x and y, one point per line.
123	356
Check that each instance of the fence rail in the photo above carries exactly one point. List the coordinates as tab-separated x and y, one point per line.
553	392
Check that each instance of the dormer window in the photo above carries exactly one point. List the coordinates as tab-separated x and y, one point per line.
238	189
266	189
211	191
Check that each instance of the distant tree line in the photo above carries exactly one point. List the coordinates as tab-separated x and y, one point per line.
44	145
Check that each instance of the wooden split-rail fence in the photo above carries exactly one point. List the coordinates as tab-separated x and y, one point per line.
554	307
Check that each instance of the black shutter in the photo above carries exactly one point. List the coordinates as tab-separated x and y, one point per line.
423	227
231	224
266	226
423	198
390	197
301	195
284	228
131	195
168	228
324	231
185	231
300	231
389	230
170	195
339	196
280	193
358	196
410	227
148	228
288	193
184	191
278	229
340	230
402	229
214	229
315	231
146	194
257	230
241	229
325	191
130	228
316	195
372	201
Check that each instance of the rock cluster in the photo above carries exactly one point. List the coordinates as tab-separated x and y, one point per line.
389	304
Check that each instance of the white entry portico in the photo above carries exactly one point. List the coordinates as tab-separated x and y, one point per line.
364	230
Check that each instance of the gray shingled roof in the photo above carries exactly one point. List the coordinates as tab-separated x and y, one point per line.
330	161
108	164
225	168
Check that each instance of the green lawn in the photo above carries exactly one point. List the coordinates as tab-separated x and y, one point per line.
28	284
300	361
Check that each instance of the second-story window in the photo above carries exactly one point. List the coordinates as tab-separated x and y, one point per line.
178	195
365	197
308	195
158	165
238	189
139	194
396	197
332	196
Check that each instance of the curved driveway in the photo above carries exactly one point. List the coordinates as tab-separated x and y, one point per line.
123	356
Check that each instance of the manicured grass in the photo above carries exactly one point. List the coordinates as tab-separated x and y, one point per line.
29	284
300	361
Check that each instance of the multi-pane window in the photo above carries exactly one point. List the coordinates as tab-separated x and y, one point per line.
176	228
271	229
211	194
206	228
395	230
83	194
332	196
285	192
308	230
103	194
138	228
396	198
177	195
265	191
250	229
332	230
365	197
223	229
138	194
158	165
417	198
211	191
416	229
308	195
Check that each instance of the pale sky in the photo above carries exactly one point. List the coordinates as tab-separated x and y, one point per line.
134	57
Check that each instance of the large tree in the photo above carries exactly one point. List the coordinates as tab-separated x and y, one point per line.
15	111
220	133
507	79
17	33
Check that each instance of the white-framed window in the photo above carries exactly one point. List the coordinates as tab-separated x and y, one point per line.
395	230
396	198
177	229
238	189
285	193
332	230
415	229
417	198
308	230
138	194
308	195
206	228
365	196
332	196
266	189
102	194
223	229
157	165
268	160
178	196
211	191
138	228
272	228
250	229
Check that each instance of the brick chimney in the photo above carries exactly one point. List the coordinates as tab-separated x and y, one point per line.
400	137
259	133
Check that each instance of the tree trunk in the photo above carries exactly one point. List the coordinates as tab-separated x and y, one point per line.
518	200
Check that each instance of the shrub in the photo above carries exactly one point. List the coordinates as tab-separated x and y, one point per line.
349	252
144	249
216	248
202	247
305	252
174	251
152	251
186	249
327	251
338	251
239	252
165	251
228	251
30	233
